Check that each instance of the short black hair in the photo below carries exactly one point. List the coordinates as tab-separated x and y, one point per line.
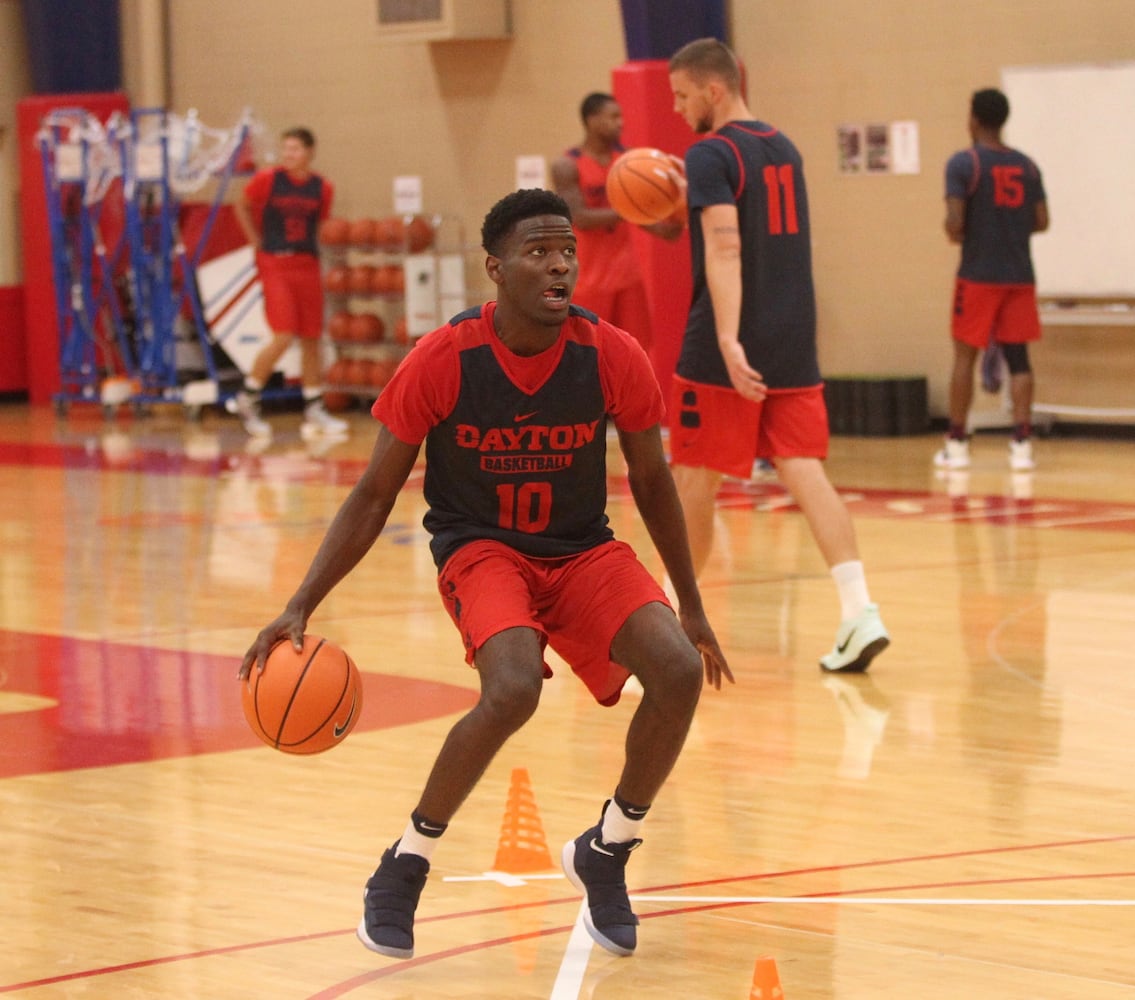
593	103
305	135
514	208
990	107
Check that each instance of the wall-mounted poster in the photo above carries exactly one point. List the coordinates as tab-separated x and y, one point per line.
850	148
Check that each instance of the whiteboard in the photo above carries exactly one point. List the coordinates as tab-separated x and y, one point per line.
1078	124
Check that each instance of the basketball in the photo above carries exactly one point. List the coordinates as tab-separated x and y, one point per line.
337	402
339	325
334	232
644	186
419	234
360	279
390	234
336	279
366	328
304	702
361	233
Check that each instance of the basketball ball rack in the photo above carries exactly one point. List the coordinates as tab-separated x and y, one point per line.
127	299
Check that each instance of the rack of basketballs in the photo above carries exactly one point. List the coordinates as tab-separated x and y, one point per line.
364	281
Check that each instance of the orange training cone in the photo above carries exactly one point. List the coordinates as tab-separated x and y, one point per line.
522	845
766	980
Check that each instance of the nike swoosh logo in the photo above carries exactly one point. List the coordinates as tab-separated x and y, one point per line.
341	728
596	846
843	645
525	416
430	828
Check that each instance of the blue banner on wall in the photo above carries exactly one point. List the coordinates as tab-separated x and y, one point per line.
656	29
73	46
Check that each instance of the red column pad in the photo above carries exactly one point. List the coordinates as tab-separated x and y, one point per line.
642	89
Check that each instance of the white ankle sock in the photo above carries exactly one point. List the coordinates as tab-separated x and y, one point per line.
413	842
851	582
617	826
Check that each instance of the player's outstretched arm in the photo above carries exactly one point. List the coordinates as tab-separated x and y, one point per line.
657	500
350	536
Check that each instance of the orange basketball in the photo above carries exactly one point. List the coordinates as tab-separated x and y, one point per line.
419	234
389	279
390	233
337	402
644	186
339	325
356	371
367	328
336	279
334	232
401	331
304	702
360	279
362	233
382	371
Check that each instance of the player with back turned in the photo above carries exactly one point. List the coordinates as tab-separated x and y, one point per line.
512	400
995	201
747	384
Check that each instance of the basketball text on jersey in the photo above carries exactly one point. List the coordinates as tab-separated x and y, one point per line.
531	439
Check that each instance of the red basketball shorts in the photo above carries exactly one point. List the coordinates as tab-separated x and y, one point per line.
715	427
985	312
577	604
293	293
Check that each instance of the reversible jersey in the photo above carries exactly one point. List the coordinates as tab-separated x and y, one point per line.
758	168
289	212
516	446
605	255
1001	188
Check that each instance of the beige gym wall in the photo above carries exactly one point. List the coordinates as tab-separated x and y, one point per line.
459	113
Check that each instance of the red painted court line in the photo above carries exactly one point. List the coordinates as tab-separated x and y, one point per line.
913	859
342	988
347	986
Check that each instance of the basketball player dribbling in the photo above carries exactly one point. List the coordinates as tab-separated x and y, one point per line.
512	400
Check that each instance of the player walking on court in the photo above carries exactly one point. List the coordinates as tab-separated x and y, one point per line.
511	400
995	201
280	214
748	383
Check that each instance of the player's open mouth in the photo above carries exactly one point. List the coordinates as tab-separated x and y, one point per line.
557	294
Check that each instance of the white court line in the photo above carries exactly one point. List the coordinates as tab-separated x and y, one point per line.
884	900
503	878
569	980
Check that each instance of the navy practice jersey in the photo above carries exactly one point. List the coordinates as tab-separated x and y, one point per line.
289	212
758	168
1001	188
516	447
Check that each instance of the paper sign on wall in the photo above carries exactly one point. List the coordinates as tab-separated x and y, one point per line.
407	195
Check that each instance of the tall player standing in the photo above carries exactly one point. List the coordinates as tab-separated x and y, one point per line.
995	201
280	213
748	382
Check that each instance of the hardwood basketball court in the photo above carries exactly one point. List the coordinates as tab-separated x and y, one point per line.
960	822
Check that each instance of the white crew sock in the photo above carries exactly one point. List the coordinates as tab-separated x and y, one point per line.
618	827
851	582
